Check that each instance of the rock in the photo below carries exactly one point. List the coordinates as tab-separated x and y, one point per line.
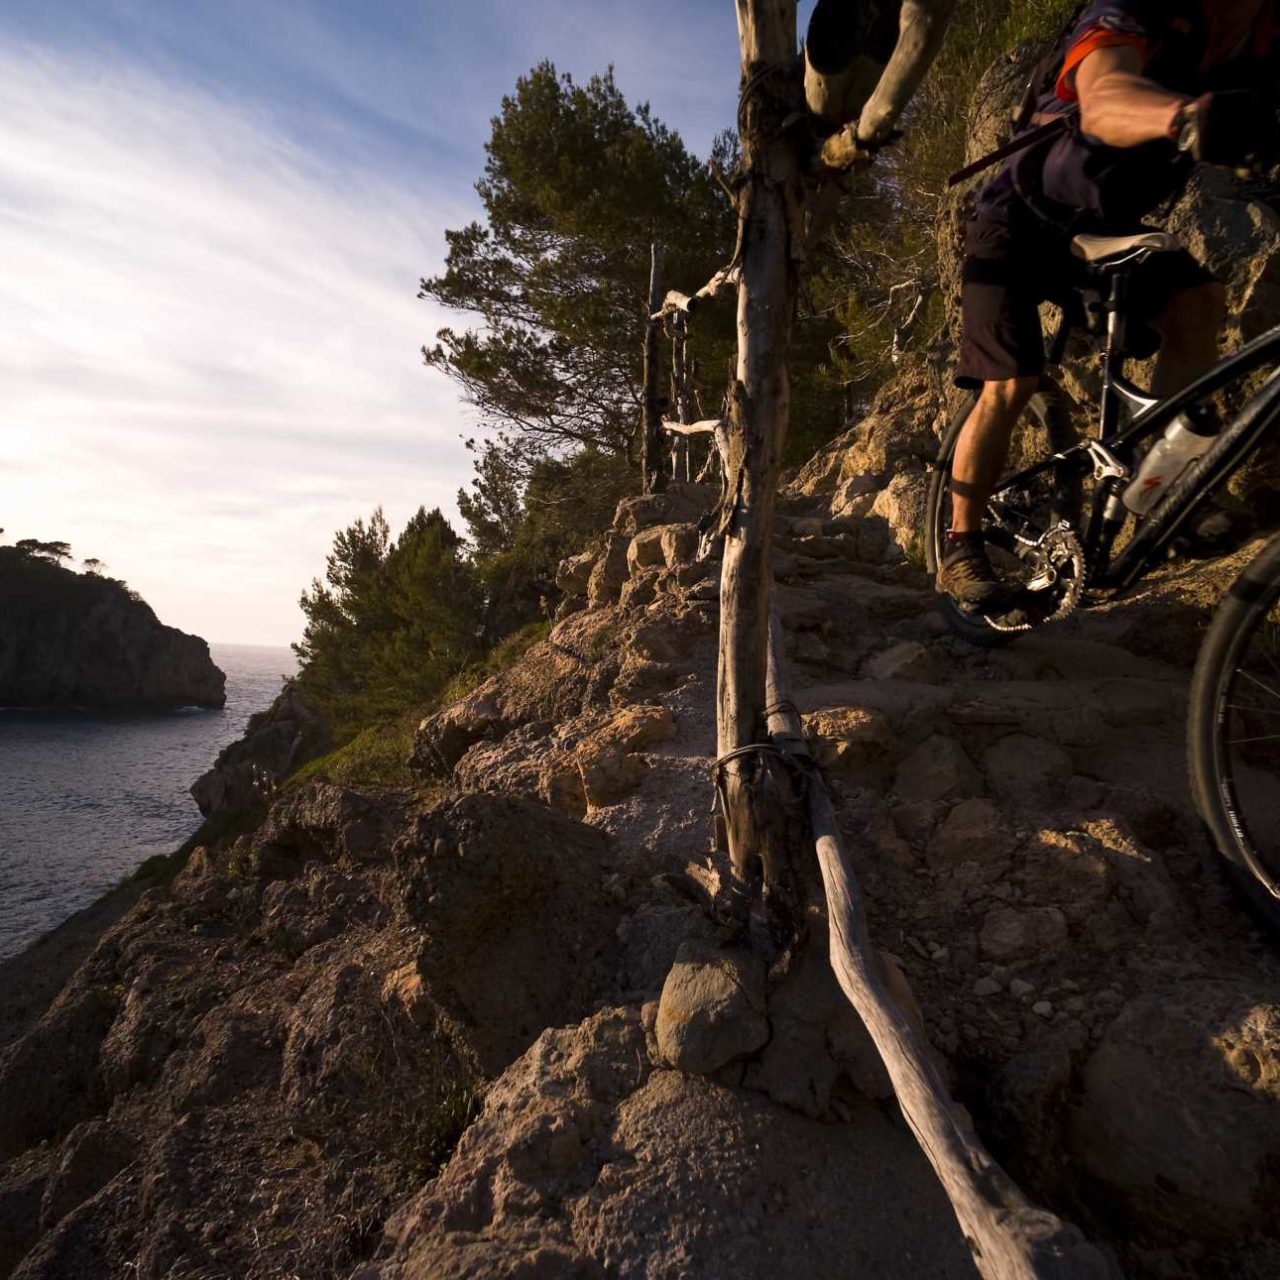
1042	1009
645	550
83	640
587	1164
574	573
1023	769
608	772
92	1155
712	1008
937	770
848	738
609	572
443	739
560	787
1180	1113
901	503
974	831
679	544
275	742
677	504
1009	933
986	987
907	660
1020	987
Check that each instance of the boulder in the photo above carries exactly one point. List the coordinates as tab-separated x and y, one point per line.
938	769
848	738
974	831
1180	1113
609	572
712	1008
575	572
1009	933
906	660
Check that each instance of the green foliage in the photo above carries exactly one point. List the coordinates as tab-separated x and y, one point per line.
576	187
521	530
377	756
53	552
501	657
390	623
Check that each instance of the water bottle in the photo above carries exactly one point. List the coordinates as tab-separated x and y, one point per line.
1184	440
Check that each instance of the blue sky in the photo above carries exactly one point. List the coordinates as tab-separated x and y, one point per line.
213	219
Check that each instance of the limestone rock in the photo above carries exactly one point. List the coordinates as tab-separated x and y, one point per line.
574	573
937	770
1026	770
848	738
679	544
906	660
679	503
610	571
974	831
1181	1108
1009	933
901	504
712	1008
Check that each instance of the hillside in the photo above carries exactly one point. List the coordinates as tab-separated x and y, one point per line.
82	640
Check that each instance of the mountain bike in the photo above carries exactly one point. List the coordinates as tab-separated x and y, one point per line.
1059	533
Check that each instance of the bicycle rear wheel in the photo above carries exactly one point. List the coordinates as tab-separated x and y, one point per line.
1233	733
1045	429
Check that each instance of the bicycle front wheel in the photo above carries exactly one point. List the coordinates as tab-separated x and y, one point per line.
1233	733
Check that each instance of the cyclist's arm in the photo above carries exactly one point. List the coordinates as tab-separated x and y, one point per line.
1118	106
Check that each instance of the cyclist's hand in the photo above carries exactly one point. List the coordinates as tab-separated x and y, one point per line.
1236	128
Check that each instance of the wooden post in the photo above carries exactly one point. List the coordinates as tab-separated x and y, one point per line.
770	199
655	473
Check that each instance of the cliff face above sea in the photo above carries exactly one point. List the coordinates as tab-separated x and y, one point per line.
81	640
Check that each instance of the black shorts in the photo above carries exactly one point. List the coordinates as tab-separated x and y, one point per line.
1012	266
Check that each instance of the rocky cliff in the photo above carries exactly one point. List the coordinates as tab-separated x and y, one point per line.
79	640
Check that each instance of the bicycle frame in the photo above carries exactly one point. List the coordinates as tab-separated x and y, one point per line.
1098	455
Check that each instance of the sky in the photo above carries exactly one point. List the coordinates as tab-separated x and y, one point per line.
213	221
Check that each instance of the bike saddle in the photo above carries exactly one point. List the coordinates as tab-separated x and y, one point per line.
1114	251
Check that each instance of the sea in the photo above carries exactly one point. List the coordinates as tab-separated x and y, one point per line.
86	797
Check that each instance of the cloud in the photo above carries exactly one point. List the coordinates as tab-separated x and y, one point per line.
208	340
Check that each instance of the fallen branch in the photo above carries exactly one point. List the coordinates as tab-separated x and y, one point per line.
1010	1238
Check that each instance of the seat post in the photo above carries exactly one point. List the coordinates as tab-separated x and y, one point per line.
1113	355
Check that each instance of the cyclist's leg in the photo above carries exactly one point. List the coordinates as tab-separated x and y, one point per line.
1002	353
983	445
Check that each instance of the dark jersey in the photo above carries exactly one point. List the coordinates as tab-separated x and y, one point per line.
1076	183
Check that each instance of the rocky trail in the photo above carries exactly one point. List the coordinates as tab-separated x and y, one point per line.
263	1071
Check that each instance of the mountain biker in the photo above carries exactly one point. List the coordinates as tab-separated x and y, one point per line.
1158	85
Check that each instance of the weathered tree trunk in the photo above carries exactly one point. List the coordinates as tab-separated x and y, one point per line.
769	200
655	472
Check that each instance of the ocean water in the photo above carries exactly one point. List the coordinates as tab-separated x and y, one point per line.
85	798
